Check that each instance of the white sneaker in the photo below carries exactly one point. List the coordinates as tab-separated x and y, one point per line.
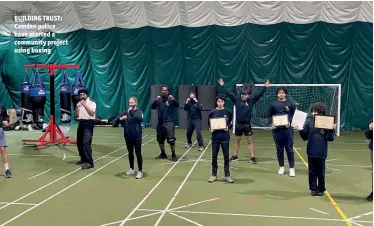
281	171
139	175
130	172
292	172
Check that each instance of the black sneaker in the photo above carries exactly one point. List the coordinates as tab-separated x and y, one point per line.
370	197
8	174
313	193
87	166
80	162
174	158
319	193
253	160
161	156
234	158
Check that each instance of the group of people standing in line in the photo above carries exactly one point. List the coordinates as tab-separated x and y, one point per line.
283	136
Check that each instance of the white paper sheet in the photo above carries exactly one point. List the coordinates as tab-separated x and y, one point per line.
299	119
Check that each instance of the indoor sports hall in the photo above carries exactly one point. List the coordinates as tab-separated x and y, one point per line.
53	52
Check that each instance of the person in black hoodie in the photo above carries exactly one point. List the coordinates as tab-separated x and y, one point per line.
317	150
165	104
244	107
369	135
133	118
194	120
221	138
283	135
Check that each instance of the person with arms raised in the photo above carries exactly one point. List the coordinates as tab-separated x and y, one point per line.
243	117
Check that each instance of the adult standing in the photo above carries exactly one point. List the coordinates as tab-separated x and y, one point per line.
85	114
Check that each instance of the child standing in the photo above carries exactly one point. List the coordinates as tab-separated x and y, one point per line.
221	138
317	150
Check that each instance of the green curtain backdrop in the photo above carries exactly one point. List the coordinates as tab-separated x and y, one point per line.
118	63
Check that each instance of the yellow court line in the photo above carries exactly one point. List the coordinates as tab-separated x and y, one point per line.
328	195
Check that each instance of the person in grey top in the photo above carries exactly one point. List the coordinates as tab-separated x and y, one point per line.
4	117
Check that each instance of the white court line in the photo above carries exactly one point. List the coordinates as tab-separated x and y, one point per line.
40	174
201	160
143	216
63	157
186	219
333	169
355	223
300	163
154	188
359	216
329	160
28	194
193	204
135	218
181	186
149	210
262	216
61	191
319	211
18	203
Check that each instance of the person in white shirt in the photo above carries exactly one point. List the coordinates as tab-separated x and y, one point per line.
85	114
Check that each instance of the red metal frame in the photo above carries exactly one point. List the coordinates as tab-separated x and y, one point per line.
53	129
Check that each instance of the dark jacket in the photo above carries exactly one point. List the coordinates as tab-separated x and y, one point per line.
317	140
221	135
165	109
369	135
3	115
194	109
286	107
243	109
132	125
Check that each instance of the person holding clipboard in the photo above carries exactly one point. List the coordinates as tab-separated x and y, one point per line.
281	112
317	132
219	121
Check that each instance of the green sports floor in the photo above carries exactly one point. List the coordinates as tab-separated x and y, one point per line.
47	187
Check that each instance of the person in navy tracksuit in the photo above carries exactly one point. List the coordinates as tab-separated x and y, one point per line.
317	149
133	118
283	135
369	135
194	109
221	138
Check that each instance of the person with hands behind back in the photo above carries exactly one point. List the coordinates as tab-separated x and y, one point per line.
165	104
85	114
133	118
317	149
369	135
194	120
221	138
283	135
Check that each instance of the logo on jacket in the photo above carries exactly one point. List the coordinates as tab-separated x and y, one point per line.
287	108
322	131
167	103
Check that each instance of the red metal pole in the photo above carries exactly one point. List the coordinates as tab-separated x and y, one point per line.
53	129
